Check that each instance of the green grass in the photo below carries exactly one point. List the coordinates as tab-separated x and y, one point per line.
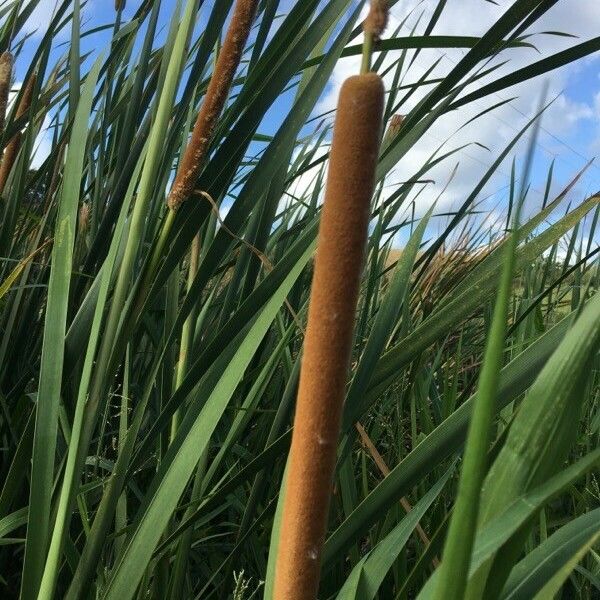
145	410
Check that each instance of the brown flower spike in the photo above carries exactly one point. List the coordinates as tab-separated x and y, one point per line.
6	64
328	341
12	149
214	100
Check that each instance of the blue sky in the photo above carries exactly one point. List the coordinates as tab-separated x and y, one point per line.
571	127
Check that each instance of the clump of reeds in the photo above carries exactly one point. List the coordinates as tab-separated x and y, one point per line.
6	64
13	147
328	340
214	100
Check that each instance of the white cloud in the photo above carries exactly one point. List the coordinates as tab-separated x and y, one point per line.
494	130
40	17
43	13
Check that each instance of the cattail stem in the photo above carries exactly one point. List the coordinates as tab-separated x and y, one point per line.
214	100
367	52
328	340
187	334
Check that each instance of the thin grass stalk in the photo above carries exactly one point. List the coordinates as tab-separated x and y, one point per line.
187	337
328	341
187	333
385	471
13	147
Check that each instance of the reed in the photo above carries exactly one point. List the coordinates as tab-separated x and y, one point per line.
328	340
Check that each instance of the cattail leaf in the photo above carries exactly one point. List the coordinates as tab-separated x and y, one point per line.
44	443
172	480
500	529
388	311
515	378
554	558
531	455
462	305
367	576
416	41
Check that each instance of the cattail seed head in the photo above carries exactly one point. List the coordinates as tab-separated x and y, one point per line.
119	5
12	149
27	96
214	100
377	19
328	340
6	65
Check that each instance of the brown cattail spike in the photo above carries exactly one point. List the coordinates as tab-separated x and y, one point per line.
328	341
119	5
214	100
12	149
6	64
377	19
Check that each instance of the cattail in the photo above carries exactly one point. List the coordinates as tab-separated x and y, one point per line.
328	341
6	64
214	100
376	21
119	5
12	149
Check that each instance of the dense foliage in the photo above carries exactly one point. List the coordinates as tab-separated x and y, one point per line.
149	356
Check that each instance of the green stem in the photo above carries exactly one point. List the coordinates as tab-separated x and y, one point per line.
367	53
454	570
187	333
